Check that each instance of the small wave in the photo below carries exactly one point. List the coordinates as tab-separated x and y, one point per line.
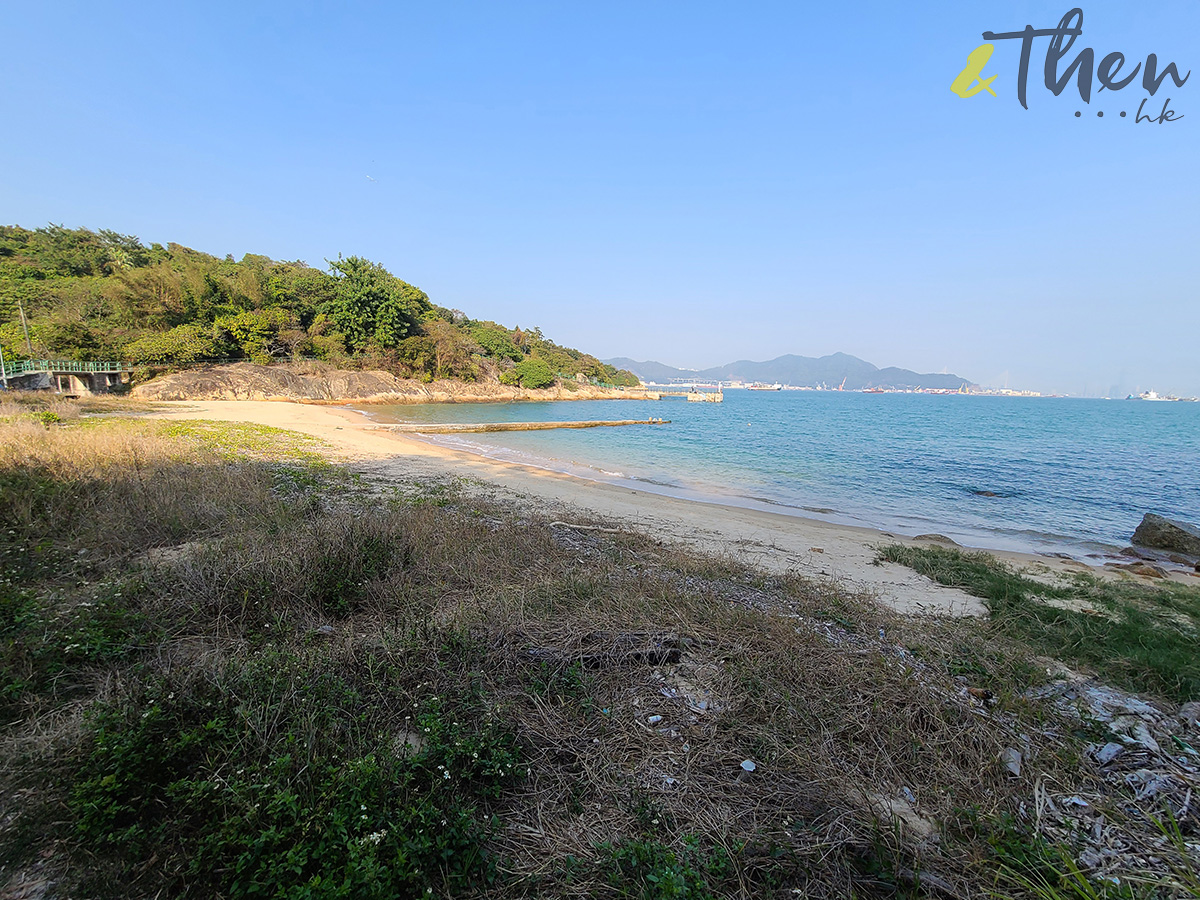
647	480
774	501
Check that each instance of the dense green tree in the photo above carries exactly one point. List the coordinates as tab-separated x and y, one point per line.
372	305
533	373
495	341
261	334
71	339
182	344
300	288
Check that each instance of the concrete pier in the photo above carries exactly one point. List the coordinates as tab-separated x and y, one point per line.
463	428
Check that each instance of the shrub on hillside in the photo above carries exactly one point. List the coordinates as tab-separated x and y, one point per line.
182	344
263	333
533	373
496	342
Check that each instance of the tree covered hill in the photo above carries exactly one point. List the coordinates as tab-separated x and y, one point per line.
103	295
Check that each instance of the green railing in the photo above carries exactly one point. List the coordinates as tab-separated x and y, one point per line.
28	366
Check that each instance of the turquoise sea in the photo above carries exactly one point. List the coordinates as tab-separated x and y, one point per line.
1069	476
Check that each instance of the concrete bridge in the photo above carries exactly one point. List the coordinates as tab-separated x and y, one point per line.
64	376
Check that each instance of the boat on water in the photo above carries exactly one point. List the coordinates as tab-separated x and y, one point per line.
759	386
1152	395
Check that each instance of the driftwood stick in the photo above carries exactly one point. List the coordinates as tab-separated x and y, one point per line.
587	527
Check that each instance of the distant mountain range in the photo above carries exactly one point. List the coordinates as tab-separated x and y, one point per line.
800	371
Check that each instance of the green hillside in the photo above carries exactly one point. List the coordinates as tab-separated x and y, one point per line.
103	295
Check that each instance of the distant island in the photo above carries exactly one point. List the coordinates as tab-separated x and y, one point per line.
77	294
833	371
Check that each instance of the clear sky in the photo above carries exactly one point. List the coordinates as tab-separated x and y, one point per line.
688	182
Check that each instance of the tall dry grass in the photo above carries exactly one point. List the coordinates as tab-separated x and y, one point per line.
114	492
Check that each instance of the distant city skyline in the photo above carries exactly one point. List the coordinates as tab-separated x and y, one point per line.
1002	385
692	184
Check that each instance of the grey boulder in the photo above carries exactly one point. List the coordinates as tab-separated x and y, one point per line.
1165	534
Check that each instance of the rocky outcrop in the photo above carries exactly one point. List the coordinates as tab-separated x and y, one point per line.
1148	570
937	538
1161	533
325	384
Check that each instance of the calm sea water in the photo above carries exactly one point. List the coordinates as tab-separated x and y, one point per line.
1069	475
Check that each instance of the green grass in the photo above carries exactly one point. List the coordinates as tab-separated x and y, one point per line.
648	870
1060	877
1141	637
275	778
44	646
244	439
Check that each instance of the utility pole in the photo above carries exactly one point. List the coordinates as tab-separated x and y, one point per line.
25	327
3	371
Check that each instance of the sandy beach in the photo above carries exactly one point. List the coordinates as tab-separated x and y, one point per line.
777	542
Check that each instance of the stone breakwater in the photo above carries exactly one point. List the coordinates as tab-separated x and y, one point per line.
247	381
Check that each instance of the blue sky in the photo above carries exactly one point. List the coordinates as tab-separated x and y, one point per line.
689	182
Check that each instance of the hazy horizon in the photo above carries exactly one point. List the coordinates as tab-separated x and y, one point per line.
883	364
693	184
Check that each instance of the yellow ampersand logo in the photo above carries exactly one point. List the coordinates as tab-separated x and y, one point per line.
963	85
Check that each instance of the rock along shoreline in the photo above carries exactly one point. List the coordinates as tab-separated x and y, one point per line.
318	384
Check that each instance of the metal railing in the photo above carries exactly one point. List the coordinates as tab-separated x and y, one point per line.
28	366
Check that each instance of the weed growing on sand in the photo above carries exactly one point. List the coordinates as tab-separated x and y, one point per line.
1143	637
234	440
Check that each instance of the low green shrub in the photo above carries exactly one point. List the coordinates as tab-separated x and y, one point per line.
277	780
652	871
48	649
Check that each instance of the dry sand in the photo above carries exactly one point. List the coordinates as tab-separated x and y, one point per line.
842	554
